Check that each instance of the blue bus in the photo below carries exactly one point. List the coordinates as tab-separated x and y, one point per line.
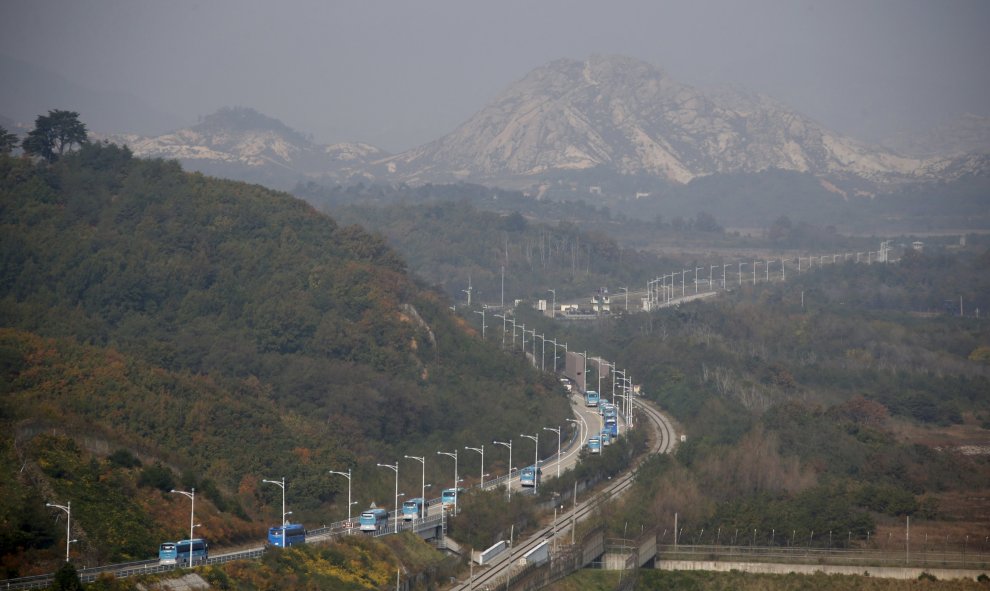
412	509
612	426
530	476
595	445
609	410
283	537
183	552
591	398
166	553
449	496
374	519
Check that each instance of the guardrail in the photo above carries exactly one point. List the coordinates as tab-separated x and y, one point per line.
917	557
335	528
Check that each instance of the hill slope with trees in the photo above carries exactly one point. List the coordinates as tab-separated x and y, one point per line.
218	333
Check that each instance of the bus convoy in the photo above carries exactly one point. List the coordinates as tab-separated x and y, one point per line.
413	509
591	398
283	536
530	476
448	498
184	552
375	519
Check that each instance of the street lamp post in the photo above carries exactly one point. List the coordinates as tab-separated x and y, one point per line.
480	450
192	509
422	460
482	312
536	456
68	524
282	486
557	431
577	424
453	455
394	468
346	475
502	316
507	444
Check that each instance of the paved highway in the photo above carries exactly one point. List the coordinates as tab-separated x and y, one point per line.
664	441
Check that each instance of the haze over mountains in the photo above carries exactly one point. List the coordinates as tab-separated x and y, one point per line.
610	115
602	117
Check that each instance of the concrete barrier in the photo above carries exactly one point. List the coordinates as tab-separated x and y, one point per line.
885	572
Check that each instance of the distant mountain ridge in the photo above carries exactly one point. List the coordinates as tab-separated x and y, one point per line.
242	143
630	117
608	115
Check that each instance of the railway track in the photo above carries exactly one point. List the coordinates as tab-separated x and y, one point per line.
501	568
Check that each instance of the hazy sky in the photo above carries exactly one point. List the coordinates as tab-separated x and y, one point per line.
400	73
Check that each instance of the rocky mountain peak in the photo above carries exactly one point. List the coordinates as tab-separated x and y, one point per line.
626	116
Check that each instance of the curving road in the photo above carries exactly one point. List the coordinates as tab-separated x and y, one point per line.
664	442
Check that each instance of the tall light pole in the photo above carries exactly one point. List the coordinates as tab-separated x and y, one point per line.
68	524
453	455
422	460
723	275
282	486
192	509
740	273
482	312
468	291
626	291
577	424
533	332
557	431
480	450
553	306
502	316
346	475
543	350
394	468
507	444
536	456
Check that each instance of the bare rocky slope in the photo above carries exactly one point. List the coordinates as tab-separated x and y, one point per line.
629	117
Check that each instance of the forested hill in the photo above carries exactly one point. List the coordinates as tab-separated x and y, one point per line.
226	331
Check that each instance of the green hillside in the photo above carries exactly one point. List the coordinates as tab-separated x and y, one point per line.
229	333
